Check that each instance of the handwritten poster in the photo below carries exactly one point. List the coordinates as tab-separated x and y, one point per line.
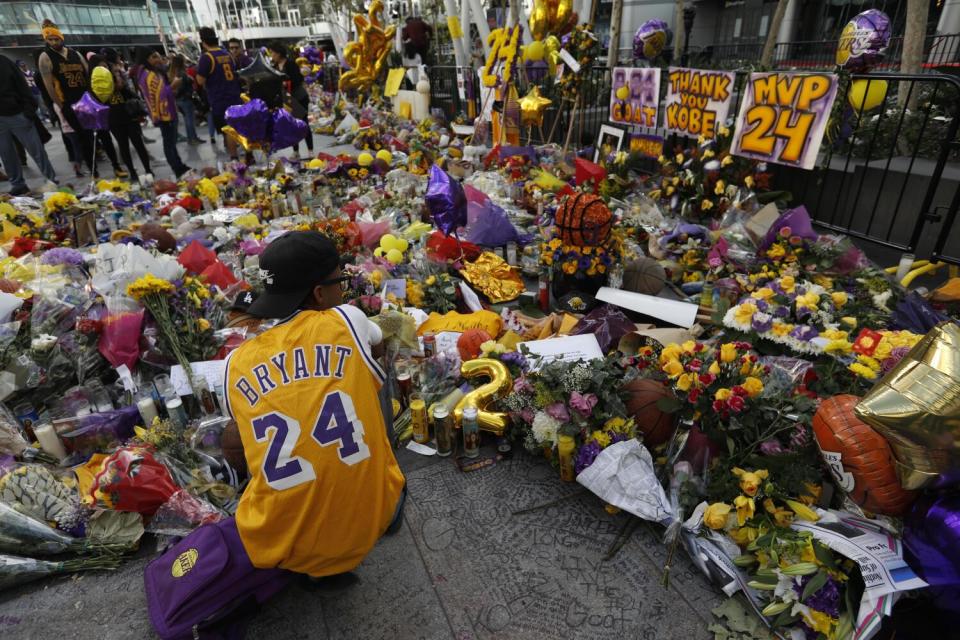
697	101
783	117
635	96
646	144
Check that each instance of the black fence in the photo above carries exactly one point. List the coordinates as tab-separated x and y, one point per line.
940	52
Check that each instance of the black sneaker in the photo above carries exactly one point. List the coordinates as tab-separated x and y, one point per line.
330	584
19	191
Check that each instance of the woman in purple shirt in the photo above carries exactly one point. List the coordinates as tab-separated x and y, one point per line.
159	95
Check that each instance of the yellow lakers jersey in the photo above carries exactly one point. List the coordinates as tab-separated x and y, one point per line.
324	481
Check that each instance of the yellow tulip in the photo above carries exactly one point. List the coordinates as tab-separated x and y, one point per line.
714	368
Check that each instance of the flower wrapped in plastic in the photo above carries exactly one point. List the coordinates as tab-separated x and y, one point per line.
131	479
17	570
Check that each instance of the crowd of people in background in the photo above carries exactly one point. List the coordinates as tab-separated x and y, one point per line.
145	86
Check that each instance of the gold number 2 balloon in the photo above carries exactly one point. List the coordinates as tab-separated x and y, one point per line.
501	382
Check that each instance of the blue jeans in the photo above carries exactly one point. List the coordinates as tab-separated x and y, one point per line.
23	128
189	117
168	131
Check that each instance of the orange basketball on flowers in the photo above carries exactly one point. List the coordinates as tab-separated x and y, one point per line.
468	344
641	396
859	458
584	220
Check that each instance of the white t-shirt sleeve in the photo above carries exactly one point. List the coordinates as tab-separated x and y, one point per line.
367	330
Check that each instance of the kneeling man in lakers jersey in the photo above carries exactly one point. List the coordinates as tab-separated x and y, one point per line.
324	483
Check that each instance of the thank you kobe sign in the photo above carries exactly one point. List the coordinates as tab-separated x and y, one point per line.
783	117
697	101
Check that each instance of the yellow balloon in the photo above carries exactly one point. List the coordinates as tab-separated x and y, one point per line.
365	159
501	382
865	95
388	241
394	256
385	155
402	244
378	252
367	54
534	51
623	93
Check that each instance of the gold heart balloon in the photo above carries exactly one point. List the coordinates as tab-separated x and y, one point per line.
367	55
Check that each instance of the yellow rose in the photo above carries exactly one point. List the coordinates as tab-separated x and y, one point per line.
722	394
714	368
670	352
787	283
673	368
763	293
776	252
684	382
688	346
728	352
753	386
743	313
745	509
750	481
716	514
839	298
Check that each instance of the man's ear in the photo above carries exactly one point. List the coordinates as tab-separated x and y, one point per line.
318	296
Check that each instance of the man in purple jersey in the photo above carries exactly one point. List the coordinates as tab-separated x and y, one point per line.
217	73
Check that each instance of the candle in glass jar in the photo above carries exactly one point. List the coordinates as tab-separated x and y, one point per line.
50	441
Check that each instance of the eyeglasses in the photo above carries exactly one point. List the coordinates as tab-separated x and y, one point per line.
343	281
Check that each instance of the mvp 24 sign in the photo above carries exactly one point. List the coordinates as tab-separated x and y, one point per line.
783	117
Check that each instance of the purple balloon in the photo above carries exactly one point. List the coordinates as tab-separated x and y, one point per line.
931	540
650	39
287	130
864	40
251	120
91	113
446	201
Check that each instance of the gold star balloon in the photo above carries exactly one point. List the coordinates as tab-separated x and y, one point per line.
532	107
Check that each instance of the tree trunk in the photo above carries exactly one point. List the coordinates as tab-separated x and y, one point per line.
616	17
772	32
678	31
912	57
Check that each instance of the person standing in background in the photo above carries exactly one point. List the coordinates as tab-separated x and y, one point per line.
64	75
217	73
416	36
125	111
240	57
18	110
158	93
184	97
299	98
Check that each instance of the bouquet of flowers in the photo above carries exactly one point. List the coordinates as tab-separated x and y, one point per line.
439	293
583	45
703	181
571	259
799	582
613	430
569	398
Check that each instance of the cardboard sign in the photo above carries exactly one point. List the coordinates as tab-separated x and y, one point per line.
646	144
697	101
783	117
394	78
635	96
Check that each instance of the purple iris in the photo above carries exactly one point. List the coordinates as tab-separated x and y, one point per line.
781	312
514	358
585	457
804	333
584	263
803	312
762	305
896	355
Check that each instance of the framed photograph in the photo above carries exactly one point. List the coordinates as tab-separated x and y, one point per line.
609	140
85	228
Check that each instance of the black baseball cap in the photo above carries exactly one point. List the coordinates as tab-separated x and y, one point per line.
292	266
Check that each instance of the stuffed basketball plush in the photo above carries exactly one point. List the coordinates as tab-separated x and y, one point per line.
644	275
859	458
641	400
584	220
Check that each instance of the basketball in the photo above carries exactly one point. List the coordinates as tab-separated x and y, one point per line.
165	241
644	275
468	344
641	399
859	458
584	220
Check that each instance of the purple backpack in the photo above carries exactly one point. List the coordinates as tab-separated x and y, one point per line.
206	587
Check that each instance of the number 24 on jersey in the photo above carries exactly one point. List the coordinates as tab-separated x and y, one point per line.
336	424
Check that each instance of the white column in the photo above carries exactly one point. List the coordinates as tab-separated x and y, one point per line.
480	19
789	25
451	10
946	49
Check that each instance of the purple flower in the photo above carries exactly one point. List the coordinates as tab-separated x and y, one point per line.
761	322
522	385
62	255
528	414
896	355
826	599
770	448
514	358
803	312
799	438
762	305
584	263
781	312
583	404
558	411
804	333
585	457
